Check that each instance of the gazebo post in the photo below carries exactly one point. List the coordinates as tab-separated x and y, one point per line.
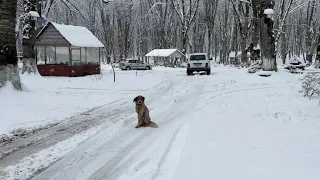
55	53
70	60
99	56
85	54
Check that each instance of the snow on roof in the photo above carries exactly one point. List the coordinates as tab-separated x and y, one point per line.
77	35
163	52
268	11
34	13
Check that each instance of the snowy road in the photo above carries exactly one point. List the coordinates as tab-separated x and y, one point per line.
230	125
103	158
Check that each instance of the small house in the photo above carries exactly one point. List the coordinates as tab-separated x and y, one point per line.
165	56
67	50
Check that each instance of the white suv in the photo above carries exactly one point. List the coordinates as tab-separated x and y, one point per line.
199	62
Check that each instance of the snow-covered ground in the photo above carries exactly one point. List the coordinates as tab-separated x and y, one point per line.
229	125
53	99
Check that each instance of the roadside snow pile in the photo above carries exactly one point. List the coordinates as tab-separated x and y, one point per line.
311	84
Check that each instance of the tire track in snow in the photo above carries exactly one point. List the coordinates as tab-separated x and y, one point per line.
239	90
173	128
107	164
167	154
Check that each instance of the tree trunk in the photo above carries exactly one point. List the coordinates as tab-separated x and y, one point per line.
210	9
283	45
29	33
244	50
184	42
8	54
267	39
310	13
255	47
209	50
29	61
317	63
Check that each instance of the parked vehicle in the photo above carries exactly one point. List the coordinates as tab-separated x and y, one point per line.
198	62
134	64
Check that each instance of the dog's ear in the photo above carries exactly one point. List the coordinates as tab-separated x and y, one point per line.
143	98
135	99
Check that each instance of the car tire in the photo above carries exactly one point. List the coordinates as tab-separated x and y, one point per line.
128	68
148	68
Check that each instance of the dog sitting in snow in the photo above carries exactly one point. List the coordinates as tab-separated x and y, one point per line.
143	113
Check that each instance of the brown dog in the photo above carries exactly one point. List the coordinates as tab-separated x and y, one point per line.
143	113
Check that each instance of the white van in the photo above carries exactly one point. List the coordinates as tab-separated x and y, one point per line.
199	62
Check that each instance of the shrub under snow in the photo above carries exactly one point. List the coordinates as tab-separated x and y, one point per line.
311	84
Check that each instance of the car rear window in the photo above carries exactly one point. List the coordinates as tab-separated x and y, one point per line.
197	57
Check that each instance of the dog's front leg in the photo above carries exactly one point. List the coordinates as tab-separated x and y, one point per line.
140	121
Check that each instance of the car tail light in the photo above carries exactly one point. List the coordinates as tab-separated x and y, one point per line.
188	65
207	65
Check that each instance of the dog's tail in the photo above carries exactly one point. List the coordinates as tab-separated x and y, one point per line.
153	125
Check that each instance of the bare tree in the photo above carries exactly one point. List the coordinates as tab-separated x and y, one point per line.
211	7
242	19
285	6
310	29
186	11
131	27
317	63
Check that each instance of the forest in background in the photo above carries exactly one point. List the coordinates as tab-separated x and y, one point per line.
130	28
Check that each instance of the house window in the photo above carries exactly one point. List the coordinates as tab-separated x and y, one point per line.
76	56
41	56
62	55
83	55
50	55
93	56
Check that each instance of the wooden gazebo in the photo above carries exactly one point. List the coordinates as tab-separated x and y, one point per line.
66	50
